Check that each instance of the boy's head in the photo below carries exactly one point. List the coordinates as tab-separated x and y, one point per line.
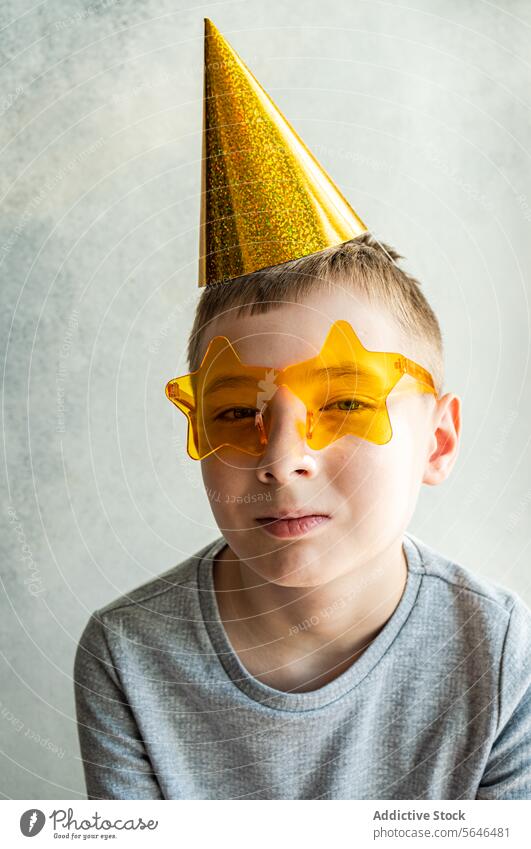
366	491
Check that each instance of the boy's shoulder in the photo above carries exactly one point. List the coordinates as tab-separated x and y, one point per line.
461	583
183	576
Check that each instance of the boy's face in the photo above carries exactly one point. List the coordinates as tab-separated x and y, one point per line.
365	492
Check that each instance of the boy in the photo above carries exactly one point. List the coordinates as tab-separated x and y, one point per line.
315	649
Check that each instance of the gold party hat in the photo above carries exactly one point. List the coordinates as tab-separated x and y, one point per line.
265	198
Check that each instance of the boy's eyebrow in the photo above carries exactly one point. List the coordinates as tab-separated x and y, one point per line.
348	369
342	370
230	381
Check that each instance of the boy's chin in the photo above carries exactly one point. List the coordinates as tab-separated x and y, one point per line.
285	569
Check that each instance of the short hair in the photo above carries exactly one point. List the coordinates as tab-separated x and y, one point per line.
363	263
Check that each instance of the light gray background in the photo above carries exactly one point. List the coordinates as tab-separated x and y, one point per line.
421	113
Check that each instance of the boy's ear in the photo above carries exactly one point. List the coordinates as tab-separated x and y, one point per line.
443	440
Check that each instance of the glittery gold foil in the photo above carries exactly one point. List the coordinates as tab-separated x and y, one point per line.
265	198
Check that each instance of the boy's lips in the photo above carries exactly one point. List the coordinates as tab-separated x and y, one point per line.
293	513
291	523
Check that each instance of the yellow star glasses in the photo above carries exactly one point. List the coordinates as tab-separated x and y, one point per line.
344	389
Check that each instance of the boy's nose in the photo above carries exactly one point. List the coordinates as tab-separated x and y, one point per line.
286	454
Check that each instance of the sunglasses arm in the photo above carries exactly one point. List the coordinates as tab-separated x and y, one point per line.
406	366
179	397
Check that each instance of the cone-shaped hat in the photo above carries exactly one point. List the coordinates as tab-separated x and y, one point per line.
265	198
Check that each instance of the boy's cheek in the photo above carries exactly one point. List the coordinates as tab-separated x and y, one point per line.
219	474
377	479
357	457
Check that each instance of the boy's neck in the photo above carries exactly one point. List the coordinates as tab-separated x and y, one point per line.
299	638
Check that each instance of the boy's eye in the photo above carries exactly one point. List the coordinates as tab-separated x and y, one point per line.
348	405
236	414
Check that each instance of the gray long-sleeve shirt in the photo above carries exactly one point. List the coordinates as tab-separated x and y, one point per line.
438	706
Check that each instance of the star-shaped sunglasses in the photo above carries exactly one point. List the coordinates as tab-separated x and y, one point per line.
344	390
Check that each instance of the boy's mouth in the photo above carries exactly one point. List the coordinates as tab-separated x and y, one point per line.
287	524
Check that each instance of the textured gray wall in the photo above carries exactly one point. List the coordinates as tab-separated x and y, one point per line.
421	113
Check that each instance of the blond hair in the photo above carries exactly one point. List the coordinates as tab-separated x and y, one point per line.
363	263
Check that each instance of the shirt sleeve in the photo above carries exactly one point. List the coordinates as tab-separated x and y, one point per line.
507	774
115	760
